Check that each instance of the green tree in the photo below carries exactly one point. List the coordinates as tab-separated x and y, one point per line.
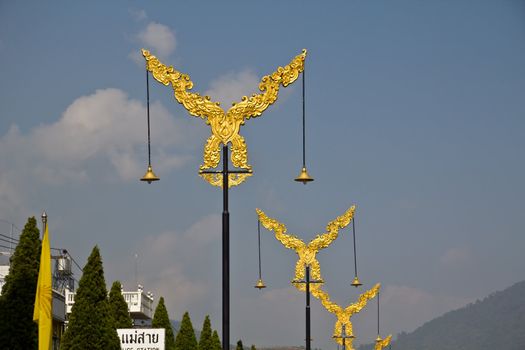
162	320
90	324
253	347
206	341
118	307
239	345
186	339
216	341
17	329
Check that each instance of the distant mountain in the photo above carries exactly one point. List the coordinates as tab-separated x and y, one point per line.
494	323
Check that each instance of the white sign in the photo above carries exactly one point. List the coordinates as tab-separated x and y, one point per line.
141	338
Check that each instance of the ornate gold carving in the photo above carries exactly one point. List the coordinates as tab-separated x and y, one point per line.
307	252
345	314
225	126
380	345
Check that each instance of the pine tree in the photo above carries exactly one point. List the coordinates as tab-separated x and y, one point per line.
216	341
239	345
162	320
17	329
119	308
186	339
206	342
90	324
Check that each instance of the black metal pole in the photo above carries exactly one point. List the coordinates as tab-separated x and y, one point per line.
225	253
344	337
307	307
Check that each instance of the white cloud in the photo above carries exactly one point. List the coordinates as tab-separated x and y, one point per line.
158	38
284	305
455	256
231	87
179	266
138	15
11	200
105	126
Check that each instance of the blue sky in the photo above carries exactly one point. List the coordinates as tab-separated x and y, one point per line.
415	113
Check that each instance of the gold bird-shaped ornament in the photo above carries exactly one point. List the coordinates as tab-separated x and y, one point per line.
307	252
345	314
225	126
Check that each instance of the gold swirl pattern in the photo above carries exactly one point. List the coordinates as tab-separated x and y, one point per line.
307	252
225	126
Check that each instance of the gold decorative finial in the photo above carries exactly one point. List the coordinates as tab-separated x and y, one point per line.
225	126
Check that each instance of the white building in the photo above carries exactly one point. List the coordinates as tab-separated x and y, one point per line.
140	305
4	271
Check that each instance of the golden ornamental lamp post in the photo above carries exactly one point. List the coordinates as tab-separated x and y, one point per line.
307	267
344	314
225	139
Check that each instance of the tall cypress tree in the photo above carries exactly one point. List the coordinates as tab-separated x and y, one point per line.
90	325
186	339
205	342
162	320
17	329
216	341
118	307
239	345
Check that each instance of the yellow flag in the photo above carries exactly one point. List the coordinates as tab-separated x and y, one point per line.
42	313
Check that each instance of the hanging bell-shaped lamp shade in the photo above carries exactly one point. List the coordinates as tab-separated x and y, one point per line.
149	176
260	284
356	283
304	177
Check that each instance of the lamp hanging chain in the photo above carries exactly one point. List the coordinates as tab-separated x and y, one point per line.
378	313
355	250
259	245
304	120
147	108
